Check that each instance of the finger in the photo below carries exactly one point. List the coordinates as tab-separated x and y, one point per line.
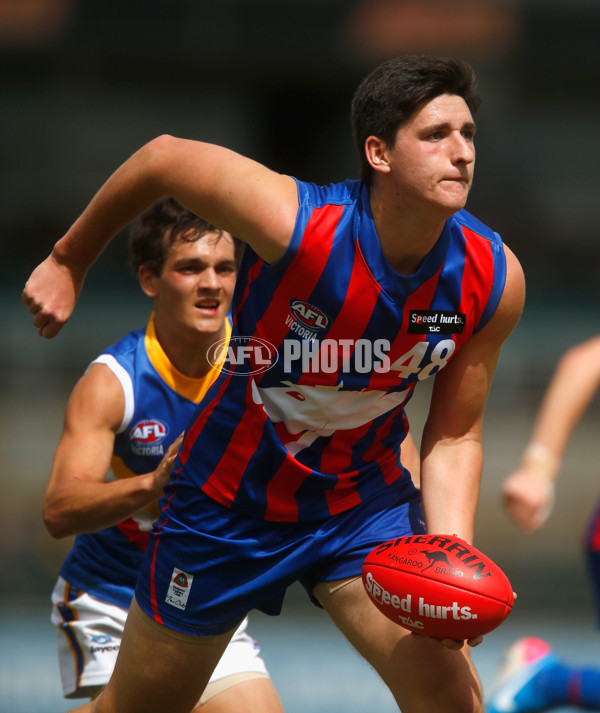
31	305
25	298
453	644
40	319
43	327
50	330
475	642
174	447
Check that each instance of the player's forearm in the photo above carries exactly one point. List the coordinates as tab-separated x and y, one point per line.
450	480
571	389
76	506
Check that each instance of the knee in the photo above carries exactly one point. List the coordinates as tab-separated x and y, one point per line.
456	696
443	691
460	697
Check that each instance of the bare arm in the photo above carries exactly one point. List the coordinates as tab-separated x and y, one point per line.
529	491
411	459
78	499
239	195
451	449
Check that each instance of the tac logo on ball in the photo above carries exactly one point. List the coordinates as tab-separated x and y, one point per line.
437	585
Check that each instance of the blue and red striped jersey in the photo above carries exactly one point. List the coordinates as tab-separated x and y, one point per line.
307	417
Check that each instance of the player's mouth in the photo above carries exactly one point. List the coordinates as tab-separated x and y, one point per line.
462	180
208	305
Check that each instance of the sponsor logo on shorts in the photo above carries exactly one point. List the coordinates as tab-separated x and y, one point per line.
179	589
103	644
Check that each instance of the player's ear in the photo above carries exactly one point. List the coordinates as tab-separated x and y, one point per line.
148	280
376	151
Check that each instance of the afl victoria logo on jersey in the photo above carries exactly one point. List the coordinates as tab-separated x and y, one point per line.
146	437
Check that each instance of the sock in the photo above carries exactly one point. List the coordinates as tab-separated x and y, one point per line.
565	684
584	688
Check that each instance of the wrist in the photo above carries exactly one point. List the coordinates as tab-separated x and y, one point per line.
539	458
64	254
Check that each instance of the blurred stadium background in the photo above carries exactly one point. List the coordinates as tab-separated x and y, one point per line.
85	83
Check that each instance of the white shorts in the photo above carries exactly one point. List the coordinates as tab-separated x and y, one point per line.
89	636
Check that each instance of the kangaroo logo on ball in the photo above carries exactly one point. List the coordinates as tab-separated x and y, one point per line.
437	558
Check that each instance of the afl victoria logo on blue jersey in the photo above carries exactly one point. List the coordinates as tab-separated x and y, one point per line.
146	437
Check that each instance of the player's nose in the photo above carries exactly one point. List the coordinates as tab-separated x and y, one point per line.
461	148
209	280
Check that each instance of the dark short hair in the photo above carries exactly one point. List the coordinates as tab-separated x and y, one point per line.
156	229
394	90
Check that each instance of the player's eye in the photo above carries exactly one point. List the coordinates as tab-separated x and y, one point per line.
190	268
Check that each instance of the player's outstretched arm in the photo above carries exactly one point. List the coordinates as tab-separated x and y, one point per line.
528	492
78	499
451	449
235	193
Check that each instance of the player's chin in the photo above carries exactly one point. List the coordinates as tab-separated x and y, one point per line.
209	323
455	195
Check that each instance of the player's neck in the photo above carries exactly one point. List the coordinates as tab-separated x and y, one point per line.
188	350
407	234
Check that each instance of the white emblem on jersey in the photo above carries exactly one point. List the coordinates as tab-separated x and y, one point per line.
322	410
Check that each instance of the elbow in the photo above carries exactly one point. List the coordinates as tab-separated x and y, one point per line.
54	522
160	145
158	150
154	160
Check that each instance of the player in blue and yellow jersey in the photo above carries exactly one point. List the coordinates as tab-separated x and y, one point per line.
348	296
124	418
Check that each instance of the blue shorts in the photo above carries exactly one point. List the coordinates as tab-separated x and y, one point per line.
205	582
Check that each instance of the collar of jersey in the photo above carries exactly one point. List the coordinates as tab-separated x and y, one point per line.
190	388
395	285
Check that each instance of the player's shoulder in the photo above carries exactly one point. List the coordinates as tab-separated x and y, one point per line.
467	220
121	357
342	193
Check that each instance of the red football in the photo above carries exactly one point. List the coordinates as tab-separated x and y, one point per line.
437	585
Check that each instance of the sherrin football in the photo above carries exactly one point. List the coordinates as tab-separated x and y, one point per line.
437	585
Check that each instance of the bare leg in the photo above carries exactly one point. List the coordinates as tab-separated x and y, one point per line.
255	695
158	669
422	675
